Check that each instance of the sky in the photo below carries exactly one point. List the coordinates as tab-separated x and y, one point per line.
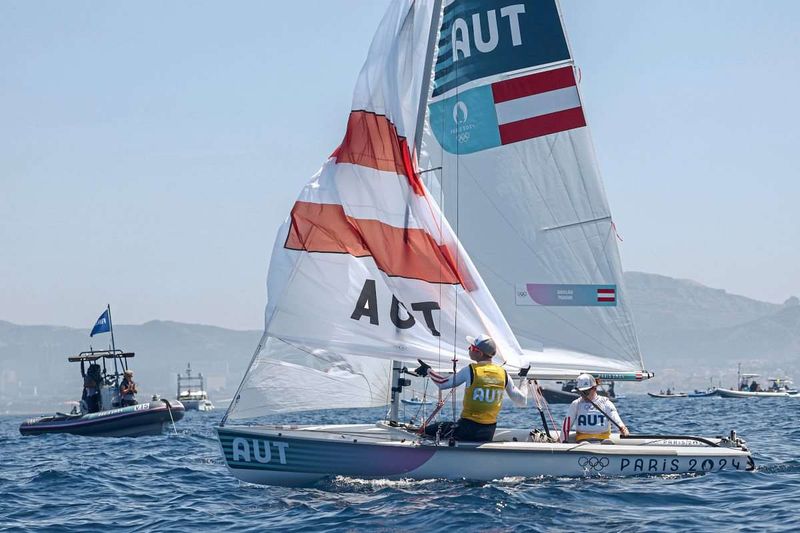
150	150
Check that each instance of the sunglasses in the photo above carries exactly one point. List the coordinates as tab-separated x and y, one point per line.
473	348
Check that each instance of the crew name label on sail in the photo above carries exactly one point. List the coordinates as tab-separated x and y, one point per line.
481	38
566	295
367	306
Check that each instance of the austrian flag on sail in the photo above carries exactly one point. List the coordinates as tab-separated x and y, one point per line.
508	111
537	105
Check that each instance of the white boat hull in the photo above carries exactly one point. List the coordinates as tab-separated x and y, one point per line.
198	405
728	393
296	456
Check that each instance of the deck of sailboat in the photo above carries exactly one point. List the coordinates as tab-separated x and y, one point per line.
506	439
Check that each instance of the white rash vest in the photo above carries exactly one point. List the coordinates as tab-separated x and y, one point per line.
583	417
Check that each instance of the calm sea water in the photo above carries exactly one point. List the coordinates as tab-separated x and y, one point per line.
179	483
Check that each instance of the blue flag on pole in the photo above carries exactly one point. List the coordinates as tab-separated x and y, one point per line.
103	324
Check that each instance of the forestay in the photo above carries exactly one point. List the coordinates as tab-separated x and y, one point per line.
514	168
366	269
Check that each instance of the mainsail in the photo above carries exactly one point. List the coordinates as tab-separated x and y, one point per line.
366	269
512	161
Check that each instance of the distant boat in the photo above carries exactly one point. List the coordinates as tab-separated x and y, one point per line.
112	420
668	394
703	393
194	395
416	400
750	388
730	393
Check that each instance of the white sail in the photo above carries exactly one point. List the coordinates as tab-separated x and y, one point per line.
507	140
366	267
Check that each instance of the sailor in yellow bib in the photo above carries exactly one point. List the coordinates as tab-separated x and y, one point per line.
485	384
590	415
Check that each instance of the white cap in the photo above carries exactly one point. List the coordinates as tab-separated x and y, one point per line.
585	382
484	343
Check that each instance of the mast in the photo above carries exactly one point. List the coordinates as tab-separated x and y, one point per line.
425	88
396	380
113	346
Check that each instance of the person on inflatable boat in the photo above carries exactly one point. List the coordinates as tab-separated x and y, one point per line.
483	396
591	415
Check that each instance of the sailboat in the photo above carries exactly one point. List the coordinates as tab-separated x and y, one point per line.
465	112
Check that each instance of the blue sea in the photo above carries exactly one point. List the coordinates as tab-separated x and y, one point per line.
178	482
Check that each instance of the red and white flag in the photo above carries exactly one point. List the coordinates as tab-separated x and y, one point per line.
538	104
606	295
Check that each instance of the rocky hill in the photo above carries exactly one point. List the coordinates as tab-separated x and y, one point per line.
690	335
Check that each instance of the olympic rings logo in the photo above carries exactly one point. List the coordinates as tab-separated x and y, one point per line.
463	137
596	464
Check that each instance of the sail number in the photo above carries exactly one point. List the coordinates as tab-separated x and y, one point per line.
367	306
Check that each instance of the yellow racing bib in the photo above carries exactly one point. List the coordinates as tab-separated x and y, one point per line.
484	397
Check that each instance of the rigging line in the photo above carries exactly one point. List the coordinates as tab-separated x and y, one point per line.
458	260
235	401
553	313
628	324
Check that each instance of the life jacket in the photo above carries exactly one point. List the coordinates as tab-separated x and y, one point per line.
592	424
129	395
484	397
592	436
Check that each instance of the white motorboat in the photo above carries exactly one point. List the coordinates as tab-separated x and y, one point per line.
748	387
447	119
415	400
731	393
192	391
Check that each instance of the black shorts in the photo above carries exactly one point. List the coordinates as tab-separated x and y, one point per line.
463	429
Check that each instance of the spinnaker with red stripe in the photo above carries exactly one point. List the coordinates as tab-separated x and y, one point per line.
366	269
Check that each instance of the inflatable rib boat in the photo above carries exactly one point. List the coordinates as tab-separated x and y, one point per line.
132	421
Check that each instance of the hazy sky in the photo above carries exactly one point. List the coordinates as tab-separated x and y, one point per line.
150	150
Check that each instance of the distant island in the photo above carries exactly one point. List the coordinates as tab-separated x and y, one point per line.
691	336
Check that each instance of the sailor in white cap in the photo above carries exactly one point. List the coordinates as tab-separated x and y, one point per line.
591	414
483	396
